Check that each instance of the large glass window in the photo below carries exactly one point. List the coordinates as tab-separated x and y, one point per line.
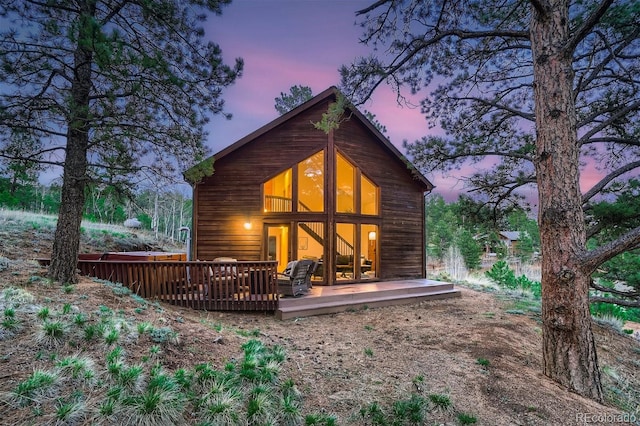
345	186
311	184
277	193
354	254
368	196
311	238
369	251
278	245
345	242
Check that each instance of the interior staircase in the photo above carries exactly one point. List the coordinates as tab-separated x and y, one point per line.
339	298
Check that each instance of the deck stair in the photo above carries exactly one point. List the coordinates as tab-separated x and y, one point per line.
339	298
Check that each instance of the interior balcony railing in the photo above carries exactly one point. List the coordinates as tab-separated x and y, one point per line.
277	204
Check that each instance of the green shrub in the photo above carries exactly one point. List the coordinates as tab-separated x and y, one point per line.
112	337
483	362
412	411
77	367
501	274
80	319
144	327
90	332
51	333
526	284
163	335
466	419
37	385
43	313
161	402
608	310
10	323
69	412
441	402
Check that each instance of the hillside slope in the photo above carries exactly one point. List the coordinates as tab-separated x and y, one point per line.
480	351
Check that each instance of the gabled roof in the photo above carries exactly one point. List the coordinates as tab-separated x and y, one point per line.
511	235
330	93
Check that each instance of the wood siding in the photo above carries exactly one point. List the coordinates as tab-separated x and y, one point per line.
232	196
226	200
401	201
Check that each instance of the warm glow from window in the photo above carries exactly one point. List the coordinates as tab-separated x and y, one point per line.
277	193
368	197
278	245
345	250
345	186
310	240
311	183
369	250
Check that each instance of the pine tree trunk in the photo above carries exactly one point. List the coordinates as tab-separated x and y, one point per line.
569	353
64	257
66	245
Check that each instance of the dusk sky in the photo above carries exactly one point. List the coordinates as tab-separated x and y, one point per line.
299	42
304	42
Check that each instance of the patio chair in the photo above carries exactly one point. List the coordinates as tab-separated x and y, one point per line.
222	277
296	278
312	272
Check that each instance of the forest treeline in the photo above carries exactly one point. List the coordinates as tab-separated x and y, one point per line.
473	229
160	210
470	230
466	229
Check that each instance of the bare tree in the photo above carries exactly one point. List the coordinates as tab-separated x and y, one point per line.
541	87
111	87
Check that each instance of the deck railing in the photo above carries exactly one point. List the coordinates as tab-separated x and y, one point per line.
216	286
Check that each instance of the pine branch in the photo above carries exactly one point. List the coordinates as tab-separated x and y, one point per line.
587	26
620	302
614	291
607	179
591	260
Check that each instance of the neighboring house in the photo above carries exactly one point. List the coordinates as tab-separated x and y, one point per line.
510	239
347	199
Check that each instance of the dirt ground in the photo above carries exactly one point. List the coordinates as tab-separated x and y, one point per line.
343	361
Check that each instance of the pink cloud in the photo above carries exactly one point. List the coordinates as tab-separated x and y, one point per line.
304	43
251	100
403	122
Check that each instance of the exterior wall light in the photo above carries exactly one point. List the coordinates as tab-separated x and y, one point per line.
247	225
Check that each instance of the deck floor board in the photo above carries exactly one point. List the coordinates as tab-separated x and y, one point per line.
322	300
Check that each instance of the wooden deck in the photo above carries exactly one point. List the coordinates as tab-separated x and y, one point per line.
207	285
339	298
251	286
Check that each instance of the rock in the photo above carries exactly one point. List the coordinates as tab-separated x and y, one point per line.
132	223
